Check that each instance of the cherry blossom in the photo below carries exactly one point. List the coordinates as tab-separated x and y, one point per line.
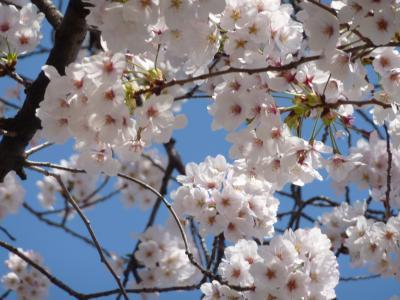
26	281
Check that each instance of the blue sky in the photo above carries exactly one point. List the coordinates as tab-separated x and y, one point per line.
78	264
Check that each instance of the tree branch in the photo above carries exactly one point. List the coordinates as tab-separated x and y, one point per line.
5	294
7	233
63	227
36	167
42	270
53	15
68	39
386	201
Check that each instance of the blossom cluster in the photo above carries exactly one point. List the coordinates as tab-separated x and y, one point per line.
296	265
11	195
336	223
164	28
279	68
266	143
369	242
223	199
93	104
163	254
27	282
19	28
375	244
371	169
246	34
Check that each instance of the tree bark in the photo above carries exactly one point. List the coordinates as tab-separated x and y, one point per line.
68	40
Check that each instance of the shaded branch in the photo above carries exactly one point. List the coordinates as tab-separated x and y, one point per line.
68	39
358	278
5	294
7	233
163	85
386	202
10	71
9	104
144	290
53	15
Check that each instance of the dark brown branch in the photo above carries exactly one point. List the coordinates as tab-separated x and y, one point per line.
10	71
323	199
372	101
7	233
68	39
283	193
144	290
386	201
9	104
174	157
8	2
5	294
220	252
181	82
53	15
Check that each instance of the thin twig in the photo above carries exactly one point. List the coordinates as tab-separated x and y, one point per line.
85	205
323	199
42	270
37	148
357	278
388	175
96	191
87	224
9	104
229	70
9	2
63	227
132	264
7	233
144	290
366	118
